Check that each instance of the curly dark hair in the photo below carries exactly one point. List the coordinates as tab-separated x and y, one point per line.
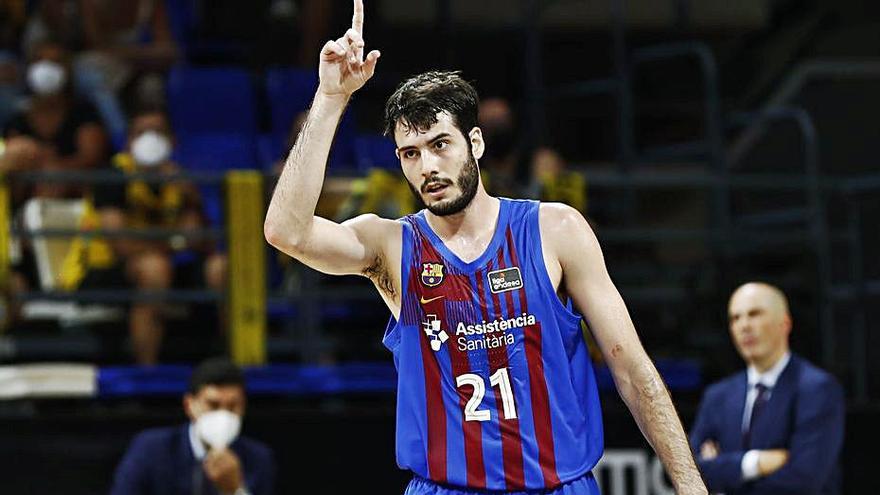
417	101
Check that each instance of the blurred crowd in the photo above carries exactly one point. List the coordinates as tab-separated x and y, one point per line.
116	85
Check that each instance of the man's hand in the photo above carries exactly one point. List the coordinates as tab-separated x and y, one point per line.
709	450
769	461
223	468
343	69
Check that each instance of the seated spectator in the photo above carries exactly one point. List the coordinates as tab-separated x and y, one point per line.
140	263
127	48
499	165
381	192
54	131
551	181
206	455
58	20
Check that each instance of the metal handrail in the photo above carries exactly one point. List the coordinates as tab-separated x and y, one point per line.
111	176
110	296
713	119
211	233
712	97
705	180
814	191
803	74
857	273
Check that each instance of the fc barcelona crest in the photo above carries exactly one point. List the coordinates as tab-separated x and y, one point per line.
432	274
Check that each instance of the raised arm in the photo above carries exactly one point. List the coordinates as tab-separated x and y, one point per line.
291	225
572	253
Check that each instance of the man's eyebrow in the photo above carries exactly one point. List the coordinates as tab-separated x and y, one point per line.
430	141
438	137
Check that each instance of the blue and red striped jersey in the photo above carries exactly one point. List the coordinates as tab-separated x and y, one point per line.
495	386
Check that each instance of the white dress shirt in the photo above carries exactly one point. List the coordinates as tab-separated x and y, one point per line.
198	448
768	379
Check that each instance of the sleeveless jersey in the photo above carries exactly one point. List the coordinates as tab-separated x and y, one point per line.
495	386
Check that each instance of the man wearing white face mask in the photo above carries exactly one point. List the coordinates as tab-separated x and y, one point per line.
142	264
205	456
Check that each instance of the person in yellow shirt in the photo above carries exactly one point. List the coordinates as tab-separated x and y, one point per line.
144	264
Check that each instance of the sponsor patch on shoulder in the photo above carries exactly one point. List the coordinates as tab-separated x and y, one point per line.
505	280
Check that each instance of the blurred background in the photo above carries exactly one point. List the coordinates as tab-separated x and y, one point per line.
708	142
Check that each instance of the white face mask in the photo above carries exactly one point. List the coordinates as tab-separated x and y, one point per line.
151	148
46	77
218	428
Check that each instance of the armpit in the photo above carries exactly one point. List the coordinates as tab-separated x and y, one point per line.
378	272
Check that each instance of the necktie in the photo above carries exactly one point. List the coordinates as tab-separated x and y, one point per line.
757	406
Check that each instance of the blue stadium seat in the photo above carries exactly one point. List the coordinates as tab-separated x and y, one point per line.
289	92
375	151
270	149
217	152
211	100
212	206
344	155
187	21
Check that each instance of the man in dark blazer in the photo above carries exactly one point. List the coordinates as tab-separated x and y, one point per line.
205	456
777	427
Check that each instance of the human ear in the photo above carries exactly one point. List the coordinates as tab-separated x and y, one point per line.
478	146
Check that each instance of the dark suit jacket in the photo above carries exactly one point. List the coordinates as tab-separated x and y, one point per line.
161	461
805	414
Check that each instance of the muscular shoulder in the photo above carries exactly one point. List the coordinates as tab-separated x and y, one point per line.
385	236
372	225
556	217
381	234
565	232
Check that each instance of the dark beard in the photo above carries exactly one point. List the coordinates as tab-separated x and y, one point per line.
468	180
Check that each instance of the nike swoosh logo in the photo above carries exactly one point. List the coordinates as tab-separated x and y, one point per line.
426	301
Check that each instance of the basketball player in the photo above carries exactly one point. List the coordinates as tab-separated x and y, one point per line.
495	389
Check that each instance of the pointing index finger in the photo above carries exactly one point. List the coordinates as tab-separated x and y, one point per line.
357	19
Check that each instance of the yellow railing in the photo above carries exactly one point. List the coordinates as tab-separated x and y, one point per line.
5	217
246	294
247	267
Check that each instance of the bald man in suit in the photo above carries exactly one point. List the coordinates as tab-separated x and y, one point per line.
777	426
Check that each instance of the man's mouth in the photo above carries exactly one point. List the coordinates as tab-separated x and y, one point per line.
434	187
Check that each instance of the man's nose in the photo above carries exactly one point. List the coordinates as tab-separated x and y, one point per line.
430	165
